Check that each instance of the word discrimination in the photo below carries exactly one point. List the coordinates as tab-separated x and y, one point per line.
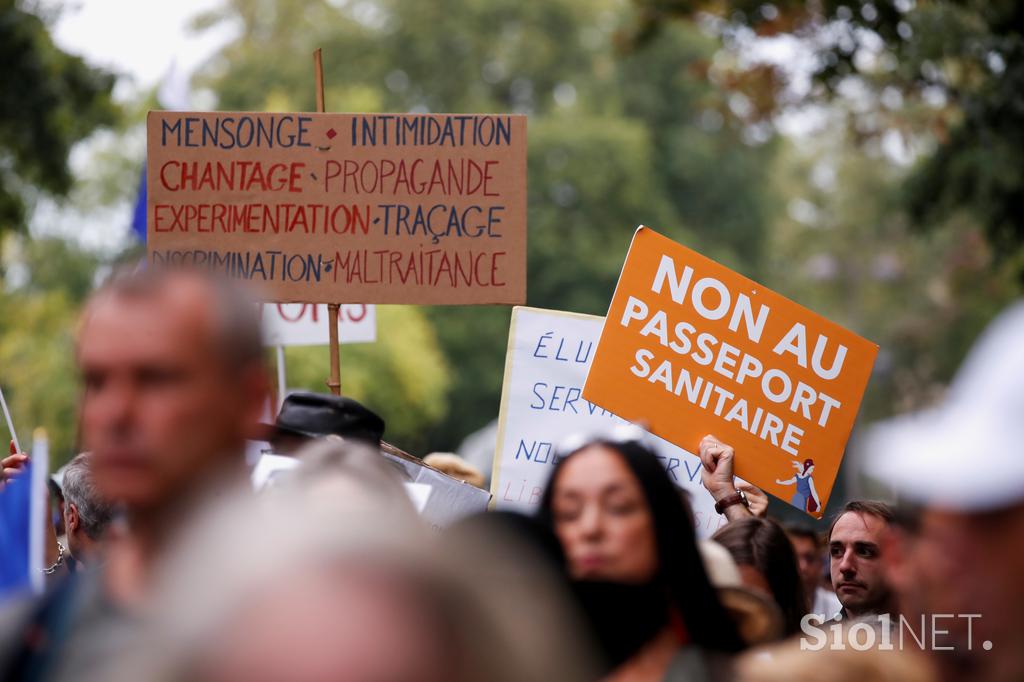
429	268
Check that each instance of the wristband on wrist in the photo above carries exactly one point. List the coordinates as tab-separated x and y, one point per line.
737	497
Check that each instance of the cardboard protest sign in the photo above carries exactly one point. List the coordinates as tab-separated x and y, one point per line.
692	348
305	324
354	208
549	354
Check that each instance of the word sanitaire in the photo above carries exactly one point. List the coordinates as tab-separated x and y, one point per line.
420	267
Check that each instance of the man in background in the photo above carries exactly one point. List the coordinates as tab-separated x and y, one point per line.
855	544
306	416
811	563
86	513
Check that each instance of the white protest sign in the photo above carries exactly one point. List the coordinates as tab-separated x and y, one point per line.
419	493
449	499
269	466
549	355
305	324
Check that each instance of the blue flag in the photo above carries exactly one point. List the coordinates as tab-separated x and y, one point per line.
139	216
173	95
15	534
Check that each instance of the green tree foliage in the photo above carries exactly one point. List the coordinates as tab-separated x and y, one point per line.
675	130
402	376
613	141
49	101
37	326
947	72
846	248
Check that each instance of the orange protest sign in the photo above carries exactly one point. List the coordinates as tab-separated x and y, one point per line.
691	347
353	208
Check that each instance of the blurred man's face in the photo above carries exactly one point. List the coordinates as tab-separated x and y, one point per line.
159	408
323	626
809	561
964	564
857	571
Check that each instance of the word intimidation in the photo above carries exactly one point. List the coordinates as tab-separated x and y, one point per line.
431	131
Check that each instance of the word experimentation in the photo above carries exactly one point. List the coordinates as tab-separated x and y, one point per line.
695	348
374	208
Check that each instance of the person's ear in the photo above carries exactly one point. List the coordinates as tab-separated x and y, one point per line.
71	518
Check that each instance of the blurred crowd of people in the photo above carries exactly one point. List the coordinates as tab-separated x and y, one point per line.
170	567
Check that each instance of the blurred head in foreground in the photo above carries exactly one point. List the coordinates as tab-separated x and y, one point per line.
789	662
630	545
264	590
959	471
173	381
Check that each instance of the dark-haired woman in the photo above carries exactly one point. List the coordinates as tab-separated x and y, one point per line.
632	554
767	562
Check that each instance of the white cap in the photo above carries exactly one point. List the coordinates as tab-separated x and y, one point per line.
967	453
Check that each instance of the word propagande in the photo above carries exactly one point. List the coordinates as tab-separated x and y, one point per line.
402	177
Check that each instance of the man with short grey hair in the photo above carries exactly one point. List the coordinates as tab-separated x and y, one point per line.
86	514
173	383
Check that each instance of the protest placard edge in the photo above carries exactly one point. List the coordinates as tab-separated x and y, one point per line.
611	300
503	409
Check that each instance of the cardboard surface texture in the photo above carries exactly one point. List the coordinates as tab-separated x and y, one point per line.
343	208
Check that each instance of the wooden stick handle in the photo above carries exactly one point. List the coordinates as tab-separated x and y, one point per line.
318	68
334	382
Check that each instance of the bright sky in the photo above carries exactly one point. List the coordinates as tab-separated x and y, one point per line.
137	38
140	40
